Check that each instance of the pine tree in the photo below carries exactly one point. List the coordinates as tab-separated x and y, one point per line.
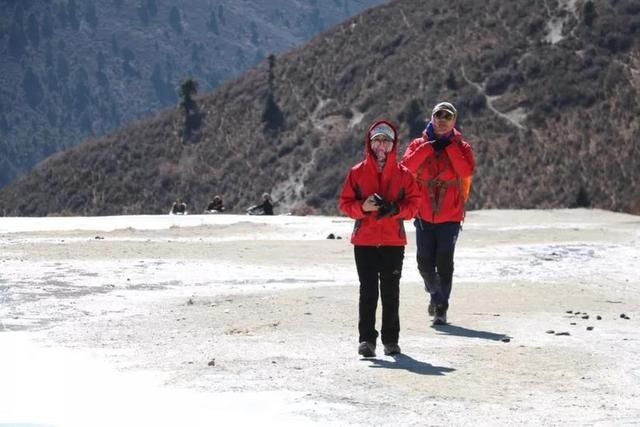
589	13
272	116
188	88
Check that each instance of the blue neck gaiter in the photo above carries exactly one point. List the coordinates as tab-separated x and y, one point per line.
432	136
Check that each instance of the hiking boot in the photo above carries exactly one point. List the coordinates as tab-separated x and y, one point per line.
367	349
431	310
440	315
391	349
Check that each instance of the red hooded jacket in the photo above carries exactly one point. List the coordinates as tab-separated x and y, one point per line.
439	177
394	183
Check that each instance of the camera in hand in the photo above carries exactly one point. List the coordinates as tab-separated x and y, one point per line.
385	208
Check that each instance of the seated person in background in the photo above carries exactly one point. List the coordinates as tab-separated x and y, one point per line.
215	206
178	208
265	208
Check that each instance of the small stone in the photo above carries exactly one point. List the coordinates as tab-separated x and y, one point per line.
562	334
551	331
598	317
569	311
589	328
212	362
190	301
331	236
576	313
506	339
622	315
585	316
572	323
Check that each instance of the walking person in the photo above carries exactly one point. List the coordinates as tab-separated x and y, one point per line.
379	194
443	163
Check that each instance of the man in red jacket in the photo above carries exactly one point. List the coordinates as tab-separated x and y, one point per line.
379	194
442	162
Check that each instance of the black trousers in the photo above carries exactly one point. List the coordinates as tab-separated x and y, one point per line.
436	244
379	271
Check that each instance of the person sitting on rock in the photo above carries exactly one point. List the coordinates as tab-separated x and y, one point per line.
178	208
265	208
215	206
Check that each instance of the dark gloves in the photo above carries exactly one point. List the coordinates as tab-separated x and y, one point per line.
385	208
440	144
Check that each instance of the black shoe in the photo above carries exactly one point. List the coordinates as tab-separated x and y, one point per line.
391	349
367	349
440	317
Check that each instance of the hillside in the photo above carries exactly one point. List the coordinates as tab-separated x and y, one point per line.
74	69
547	94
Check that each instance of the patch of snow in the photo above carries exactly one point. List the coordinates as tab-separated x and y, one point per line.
48	386
554	31
356	119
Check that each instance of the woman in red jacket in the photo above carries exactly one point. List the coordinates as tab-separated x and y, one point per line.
379	194
442	163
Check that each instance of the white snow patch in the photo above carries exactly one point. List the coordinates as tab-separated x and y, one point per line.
356	119
50	386
554	30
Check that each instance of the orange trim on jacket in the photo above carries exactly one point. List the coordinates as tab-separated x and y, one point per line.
438	176
394	183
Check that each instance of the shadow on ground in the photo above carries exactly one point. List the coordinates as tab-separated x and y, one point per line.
461	331
408	363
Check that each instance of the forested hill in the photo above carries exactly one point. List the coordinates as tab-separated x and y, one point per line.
547	93
73	69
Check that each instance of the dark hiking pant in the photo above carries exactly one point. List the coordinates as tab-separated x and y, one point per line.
435	247
379	271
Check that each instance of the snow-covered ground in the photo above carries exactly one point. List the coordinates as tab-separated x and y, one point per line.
223	319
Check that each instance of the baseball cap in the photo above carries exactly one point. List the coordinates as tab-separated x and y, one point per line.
445	106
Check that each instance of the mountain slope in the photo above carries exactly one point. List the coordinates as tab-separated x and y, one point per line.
73	69
547	96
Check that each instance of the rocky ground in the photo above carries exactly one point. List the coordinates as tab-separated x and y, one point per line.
254	319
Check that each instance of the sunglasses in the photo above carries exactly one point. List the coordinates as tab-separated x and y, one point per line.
442	114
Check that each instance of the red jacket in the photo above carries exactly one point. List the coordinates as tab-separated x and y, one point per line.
395	183
439	177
